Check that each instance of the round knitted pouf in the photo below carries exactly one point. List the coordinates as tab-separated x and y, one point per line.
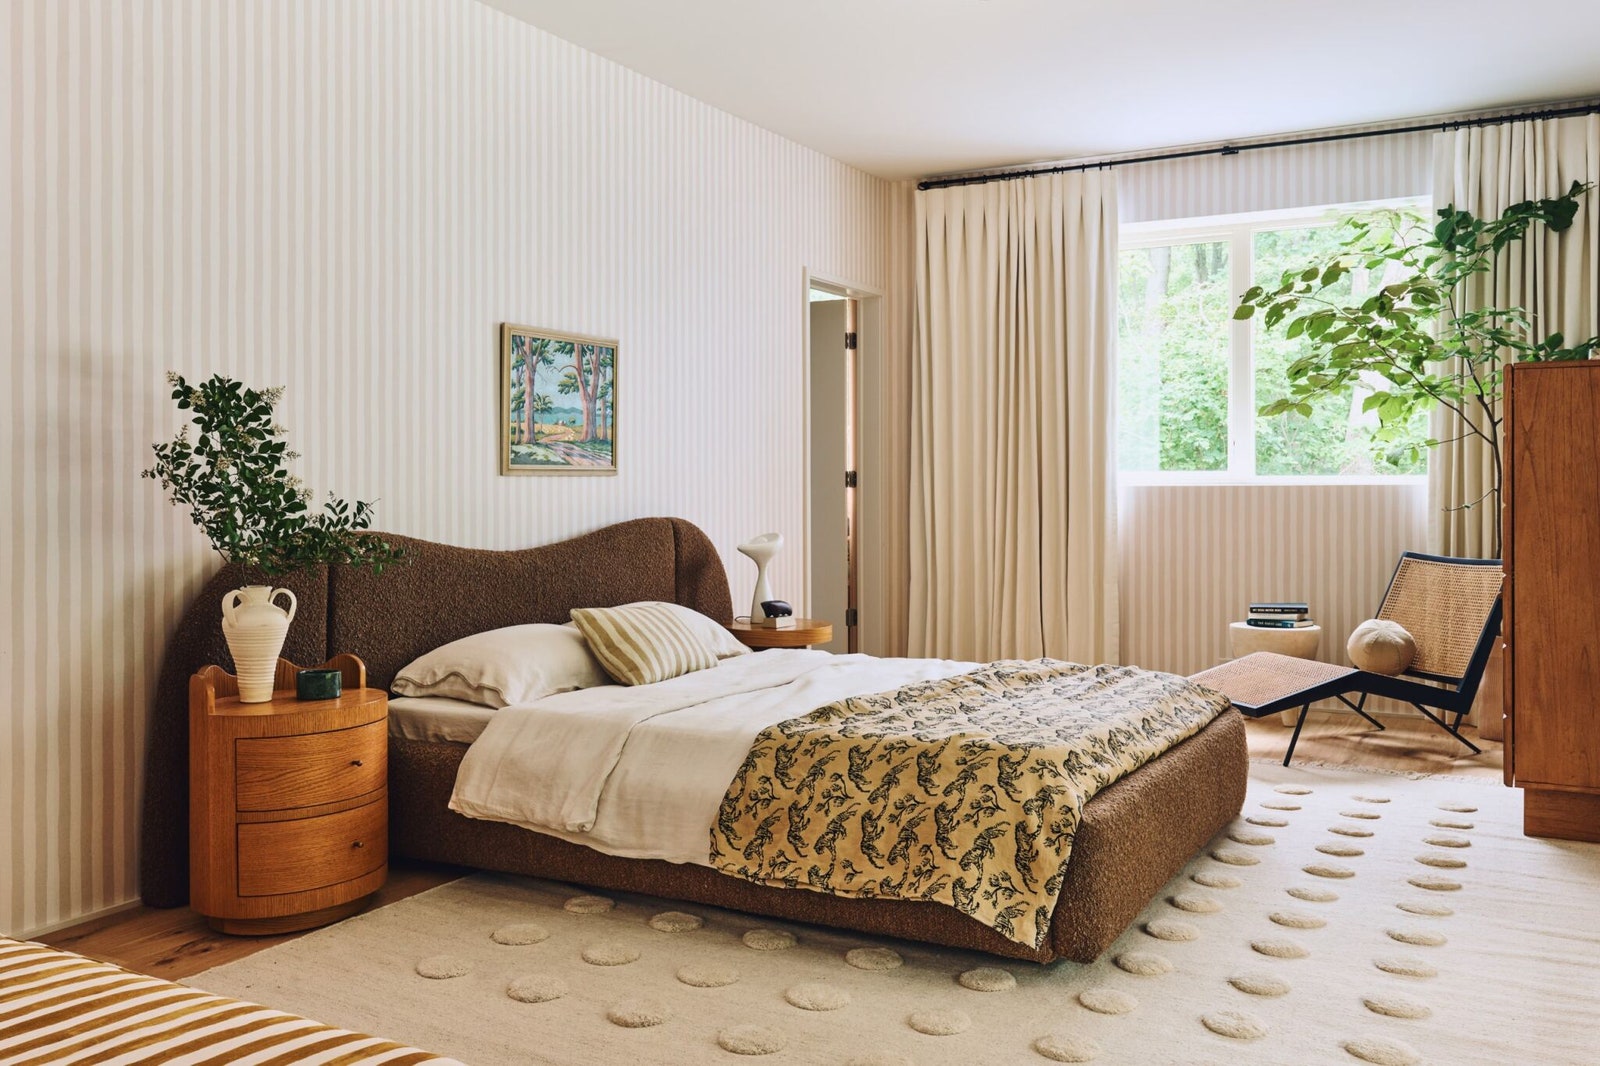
1381	647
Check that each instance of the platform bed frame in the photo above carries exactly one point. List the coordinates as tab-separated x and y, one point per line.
1133	838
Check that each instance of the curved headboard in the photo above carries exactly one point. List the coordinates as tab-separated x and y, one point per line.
439	594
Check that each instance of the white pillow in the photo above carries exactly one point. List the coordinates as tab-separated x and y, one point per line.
1380	646
721	641
642	643
502	667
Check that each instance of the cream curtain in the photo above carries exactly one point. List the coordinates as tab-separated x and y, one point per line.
1554	277
1013	538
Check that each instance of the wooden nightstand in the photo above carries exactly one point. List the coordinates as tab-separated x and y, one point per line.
288	801
804	633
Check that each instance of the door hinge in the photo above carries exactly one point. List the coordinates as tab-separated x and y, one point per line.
850	479
849	617
849	342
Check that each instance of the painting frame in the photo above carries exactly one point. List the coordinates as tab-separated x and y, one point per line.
584	431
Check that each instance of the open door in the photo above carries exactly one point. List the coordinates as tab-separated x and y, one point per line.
833	466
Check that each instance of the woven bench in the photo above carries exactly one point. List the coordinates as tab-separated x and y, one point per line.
1264	683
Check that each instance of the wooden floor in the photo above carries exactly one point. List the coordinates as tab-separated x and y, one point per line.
1406	744
177	943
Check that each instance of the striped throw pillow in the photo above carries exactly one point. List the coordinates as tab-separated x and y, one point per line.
641	643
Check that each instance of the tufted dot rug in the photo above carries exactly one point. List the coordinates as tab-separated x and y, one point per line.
1344	918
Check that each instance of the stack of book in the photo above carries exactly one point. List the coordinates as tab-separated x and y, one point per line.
1290	615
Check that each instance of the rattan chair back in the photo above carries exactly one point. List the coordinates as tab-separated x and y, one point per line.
1447	606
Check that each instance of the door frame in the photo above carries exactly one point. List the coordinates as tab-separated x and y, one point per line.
869	392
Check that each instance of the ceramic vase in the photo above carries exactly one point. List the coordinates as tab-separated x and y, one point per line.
760	550
255	628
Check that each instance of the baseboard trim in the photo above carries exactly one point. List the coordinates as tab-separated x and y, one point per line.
68	923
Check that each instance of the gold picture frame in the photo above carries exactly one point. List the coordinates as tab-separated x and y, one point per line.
569	379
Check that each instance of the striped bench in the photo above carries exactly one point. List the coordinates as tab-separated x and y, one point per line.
59	1008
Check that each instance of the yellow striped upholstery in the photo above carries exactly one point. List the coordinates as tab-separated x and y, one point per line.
641	643
56	1007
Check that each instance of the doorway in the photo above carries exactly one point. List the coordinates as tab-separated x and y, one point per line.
839	320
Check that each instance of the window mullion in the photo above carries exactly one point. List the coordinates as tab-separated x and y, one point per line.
1241	376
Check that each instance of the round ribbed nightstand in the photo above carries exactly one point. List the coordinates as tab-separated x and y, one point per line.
288	801
804	633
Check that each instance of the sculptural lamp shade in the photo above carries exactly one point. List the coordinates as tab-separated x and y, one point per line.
761	551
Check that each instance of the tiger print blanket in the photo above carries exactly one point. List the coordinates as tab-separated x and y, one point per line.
965	790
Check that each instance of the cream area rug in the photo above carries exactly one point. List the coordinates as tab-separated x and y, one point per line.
1344	918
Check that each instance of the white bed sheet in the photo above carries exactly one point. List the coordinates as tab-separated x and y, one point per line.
435	718
640	772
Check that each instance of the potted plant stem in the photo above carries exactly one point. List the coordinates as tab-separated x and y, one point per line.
234	478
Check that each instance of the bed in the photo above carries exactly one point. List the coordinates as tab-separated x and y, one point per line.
1133	836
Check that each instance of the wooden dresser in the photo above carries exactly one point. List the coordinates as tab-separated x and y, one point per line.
288	801
1551	535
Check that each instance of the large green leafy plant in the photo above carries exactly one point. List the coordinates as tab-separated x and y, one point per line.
1415	343
234	478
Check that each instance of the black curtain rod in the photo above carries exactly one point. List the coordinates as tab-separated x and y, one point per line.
1230	149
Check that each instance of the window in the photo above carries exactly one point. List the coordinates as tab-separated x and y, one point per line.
1190	378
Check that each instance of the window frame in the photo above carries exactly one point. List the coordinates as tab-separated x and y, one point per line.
1238	232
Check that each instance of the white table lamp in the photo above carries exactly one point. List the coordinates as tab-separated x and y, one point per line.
761	551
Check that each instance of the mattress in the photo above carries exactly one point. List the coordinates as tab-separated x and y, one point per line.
640	772
434	718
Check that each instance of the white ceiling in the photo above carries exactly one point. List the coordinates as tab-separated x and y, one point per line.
909	88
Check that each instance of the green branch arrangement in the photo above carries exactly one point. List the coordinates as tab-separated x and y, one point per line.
234	478
1409	345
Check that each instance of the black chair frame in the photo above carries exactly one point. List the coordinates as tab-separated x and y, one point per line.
1455	702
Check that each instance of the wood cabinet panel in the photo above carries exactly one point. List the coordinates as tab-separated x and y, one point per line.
1552	559
1554	548
301	854
277	773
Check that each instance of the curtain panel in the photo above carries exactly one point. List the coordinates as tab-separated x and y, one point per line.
1555	277
1013	464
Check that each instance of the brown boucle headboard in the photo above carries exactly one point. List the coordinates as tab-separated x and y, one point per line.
441	593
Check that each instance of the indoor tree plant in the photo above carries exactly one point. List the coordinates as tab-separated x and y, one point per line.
1413	344
234	478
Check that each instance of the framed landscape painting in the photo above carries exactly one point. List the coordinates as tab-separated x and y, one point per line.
558	402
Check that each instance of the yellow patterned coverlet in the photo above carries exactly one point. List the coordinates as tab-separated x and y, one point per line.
965	790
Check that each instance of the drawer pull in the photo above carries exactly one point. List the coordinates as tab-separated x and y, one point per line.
358	844
355	762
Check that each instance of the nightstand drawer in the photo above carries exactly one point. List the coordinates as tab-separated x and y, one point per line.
276	858
281	773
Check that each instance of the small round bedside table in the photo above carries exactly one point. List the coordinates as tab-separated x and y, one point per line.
804	633
1301	643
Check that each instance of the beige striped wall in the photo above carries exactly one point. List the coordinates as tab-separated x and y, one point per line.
1272	179
1193	557
348	199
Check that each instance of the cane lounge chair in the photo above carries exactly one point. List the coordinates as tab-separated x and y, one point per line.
1451	608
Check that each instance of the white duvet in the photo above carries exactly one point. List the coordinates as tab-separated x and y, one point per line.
640	772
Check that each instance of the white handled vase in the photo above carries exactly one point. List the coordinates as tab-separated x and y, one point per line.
255	628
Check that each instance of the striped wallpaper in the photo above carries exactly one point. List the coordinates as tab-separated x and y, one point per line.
1193	557
348	199
1272	179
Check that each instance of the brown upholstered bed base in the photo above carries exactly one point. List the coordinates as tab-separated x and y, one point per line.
1134	836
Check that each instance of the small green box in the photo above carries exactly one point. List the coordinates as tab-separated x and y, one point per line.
318	684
